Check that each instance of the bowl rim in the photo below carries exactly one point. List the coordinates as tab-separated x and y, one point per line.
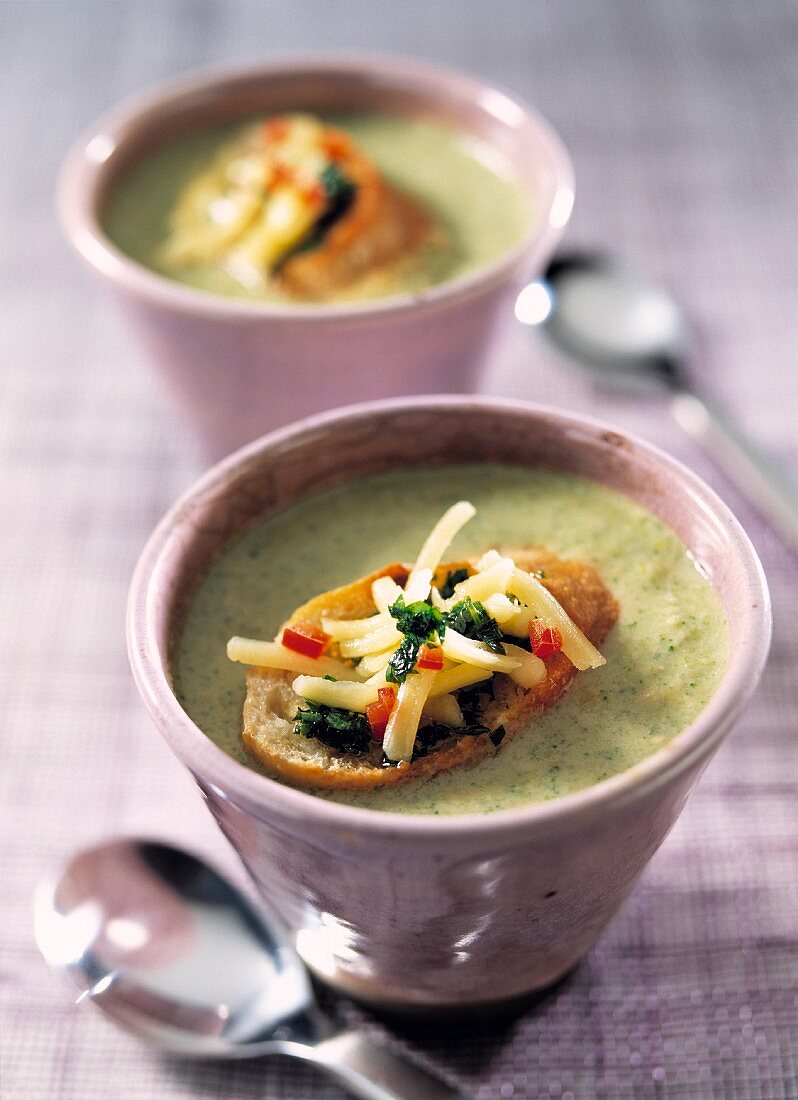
243	786
80	186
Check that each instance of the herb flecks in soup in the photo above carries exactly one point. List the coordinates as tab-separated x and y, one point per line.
664	657
414	670
300	209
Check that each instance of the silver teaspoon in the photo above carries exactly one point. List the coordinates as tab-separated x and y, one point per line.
169	949
624	330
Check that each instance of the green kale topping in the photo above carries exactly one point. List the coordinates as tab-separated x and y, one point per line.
470	618
402	663
430	736
498	735
418	622
337	187
453	577
340	193
343	730
472	702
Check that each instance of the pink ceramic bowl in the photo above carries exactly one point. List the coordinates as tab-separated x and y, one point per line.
427	911
239	368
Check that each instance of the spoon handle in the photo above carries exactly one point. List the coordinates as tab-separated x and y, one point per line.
765	483
372	1072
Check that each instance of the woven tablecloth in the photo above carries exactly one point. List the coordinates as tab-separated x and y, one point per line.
681	117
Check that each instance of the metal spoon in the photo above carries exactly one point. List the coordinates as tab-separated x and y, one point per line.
624	330
166	947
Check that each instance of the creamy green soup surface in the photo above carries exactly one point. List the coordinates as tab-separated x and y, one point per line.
466	185
665	656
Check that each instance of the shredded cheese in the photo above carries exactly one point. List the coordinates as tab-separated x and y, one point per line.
531	670
493	579
374	665
459	648
384	592
273	655
400	733
418	585
444	709
540	602
341	630
459	676
335	693
384	637
500	608
438	540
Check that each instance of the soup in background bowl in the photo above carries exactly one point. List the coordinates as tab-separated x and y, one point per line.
425	908
463	188
237	363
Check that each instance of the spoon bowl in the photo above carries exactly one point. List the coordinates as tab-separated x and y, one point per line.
625	331
171	950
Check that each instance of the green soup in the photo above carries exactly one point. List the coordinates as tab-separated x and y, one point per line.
465	185
665	656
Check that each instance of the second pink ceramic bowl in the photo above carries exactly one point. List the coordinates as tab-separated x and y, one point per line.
420	911
238	368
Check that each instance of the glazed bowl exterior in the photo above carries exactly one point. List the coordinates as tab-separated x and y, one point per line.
238	368
420	911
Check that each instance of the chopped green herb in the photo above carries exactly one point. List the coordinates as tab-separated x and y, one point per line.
468	617
344	730
472	702
339	192
453	577
336	186
498	735
418	622
430	736
402	663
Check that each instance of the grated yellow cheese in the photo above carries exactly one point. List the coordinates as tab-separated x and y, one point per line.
273	655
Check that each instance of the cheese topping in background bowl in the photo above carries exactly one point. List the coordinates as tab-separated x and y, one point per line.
292	204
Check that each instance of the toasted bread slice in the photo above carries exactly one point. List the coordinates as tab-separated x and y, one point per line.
383	227
271	704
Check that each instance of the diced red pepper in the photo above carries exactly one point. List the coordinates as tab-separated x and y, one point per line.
545	640
305	638
430	657
336	144
281	173
387	696
377	716
276	129
315	195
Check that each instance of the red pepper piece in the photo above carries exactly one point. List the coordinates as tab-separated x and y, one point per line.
281	173
430	657
315	195
336	144
305	638
545	640
387	696
276	129
377	717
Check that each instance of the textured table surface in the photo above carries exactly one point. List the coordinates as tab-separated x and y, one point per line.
681	117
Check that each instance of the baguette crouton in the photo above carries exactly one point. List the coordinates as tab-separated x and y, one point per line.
271	704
